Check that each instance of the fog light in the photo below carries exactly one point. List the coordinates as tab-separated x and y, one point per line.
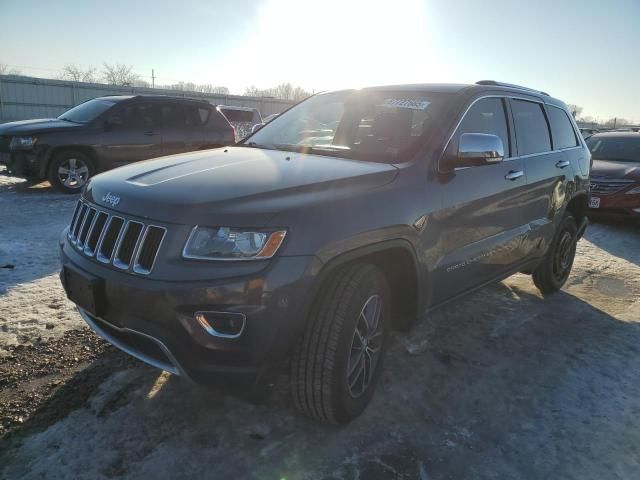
222	324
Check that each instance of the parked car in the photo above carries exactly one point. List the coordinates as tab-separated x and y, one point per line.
108	132
302	246
615	175
587	132
243	119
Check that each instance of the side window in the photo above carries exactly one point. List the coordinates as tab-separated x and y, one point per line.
196	116
485	116
532	130
140	116
204	114
172	115
564	136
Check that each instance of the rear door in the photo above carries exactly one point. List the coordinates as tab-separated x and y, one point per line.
484	218
132	133
547	166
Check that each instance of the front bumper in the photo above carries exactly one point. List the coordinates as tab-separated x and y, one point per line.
619	205
26	163
154	320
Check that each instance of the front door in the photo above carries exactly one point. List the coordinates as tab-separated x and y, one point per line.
484	219
131	134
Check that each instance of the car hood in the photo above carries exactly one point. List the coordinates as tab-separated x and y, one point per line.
30	127
239	186
616	170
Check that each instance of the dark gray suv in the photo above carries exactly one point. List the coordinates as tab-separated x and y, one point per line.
354	212
108	132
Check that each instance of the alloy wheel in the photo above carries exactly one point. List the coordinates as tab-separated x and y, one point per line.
366	347
73	173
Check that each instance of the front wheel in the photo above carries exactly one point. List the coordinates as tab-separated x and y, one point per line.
554	270
70	171
337	361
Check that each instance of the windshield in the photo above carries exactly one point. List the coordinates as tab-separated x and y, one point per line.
87	111
624	149
383	126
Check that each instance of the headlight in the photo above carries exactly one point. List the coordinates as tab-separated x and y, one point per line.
224	243
22	143
633	191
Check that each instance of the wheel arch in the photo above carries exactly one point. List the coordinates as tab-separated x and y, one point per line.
44	166
398	261
578	206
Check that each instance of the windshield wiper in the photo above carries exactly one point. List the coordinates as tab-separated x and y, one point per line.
255	145
68	120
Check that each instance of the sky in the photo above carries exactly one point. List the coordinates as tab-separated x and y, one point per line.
585	52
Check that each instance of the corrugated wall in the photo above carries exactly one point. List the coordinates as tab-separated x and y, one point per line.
24	98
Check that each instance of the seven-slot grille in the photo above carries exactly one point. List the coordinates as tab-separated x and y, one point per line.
126	244
607	186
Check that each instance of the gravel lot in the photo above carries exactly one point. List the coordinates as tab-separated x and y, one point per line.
502	384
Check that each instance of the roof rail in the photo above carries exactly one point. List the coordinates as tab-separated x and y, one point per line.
510	85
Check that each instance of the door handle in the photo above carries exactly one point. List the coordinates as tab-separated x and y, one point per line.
513	175
150	133
563	163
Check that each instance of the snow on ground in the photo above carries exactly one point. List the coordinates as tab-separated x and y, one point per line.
32	302
501	384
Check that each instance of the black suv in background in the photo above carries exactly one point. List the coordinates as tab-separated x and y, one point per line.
353	212
108	132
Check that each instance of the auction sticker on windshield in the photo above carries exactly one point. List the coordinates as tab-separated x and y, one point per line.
406	103
594	202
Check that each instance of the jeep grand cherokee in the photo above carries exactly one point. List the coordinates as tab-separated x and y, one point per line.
353	212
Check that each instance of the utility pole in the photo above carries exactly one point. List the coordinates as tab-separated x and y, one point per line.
153	78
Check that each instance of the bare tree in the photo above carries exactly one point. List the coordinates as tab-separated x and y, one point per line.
5	70
119	74
576	110
194	87
616	122
78	74
283	91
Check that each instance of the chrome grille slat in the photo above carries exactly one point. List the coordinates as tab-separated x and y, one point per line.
79	222
608	186
107	259
95	232
74	219
150	250
118	260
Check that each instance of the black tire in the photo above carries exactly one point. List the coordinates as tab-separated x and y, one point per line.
554	270
319	377
77	177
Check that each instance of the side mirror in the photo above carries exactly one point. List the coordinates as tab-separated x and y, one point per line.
476	149
257	127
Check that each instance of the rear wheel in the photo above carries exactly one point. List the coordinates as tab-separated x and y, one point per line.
70	170
554	270
337	361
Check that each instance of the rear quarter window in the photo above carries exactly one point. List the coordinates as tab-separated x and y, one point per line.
564	136
238	115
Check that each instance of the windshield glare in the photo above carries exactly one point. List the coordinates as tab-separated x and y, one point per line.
626	149
386	126
87	111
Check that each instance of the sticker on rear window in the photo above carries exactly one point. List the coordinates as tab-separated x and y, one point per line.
406	103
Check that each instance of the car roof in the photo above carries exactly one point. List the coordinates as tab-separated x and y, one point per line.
468	89
630	134
233	107
120	98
